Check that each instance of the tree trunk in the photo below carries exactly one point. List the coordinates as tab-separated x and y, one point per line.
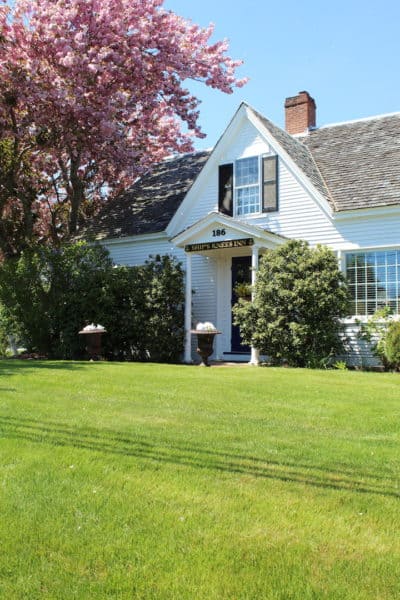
77	195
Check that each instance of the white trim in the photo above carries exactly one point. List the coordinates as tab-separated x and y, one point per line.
255	354
143	237
188	310
377	211
347	249
244	228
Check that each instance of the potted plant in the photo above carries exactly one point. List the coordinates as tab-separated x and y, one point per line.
93	335
243	290
206	333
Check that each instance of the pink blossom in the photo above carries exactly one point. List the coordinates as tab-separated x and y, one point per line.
101	85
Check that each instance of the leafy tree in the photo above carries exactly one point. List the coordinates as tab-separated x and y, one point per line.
19	206
300	297
47	295
93	92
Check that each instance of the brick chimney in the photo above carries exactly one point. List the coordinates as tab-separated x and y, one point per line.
299	113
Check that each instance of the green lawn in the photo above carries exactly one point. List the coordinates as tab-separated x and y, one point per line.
173	482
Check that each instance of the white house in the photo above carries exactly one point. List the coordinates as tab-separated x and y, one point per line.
218	211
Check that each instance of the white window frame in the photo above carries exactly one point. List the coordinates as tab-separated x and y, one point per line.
343	256
236	187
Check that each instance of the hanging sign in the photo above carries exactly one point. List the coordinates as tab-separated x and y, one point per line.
219	245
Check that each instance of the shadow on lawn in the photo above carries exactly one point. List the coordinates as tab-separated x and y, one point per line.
11	366
195	455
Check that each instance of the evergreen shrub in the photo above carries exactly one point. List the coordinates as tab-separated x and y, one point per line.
300	298
392	345
48	295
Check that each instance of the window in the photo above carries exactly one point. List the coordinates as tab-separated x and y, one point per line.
250	185
247	186
374	281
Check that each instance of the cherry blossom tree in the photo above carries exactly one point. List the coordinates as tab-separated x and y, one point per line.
92	92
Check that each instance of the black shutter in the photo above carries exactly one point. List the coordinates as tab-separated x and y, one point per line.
225	190
269	183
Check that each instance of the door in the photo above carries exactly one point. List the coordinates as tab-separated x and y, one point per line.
241	273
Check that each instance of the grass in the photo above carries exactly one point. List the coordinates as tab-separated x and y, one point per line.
173	482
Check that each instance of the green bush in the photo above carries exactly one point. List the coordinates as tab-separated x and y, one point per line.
392	346
48	295
374	332
145	312
300	297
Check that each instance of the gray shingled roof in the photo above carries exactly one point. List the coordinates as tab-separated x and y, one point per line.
359	161
353	165
149	205
298	152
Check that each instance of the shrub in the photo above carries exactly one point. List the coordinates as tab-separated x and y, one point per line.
374	331
49	295
145	312
392	346
300	297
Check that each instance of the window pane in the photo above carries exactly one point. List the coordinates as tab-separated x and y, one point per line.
381	273
360	292
247	171
370	258
360	275
248	200
360	260
351	275
247	189
374	280
370	274
350	260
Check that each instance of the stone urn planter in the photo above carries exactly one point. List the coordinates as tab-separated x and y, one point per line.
206	333
93	335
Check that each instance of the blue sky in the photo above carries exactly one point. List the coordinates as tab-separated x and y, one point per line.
345	54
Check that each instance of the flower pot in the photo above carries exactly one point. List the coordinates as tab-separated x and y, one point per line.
205	345
93	341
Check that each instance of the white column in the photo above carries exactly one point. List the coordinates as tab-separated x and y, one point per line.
255	355
188	309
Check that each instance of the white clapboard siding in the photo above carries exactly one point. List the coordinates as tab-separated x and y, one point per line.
248	142
358	352
136	252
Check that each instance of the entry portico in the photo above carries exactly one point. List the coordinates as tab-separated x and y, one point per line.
223	239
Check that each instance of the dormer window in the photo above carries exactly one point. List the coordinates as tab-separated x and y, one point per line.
249	186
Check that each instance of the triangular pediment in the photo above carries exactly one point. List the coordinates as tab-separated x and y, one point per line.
216	228
292	154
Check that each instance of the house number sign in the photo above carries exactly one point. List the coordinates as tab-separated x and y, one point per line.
219	245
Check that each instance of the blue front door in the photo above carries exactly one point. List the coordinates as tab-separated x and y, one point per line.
241	273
